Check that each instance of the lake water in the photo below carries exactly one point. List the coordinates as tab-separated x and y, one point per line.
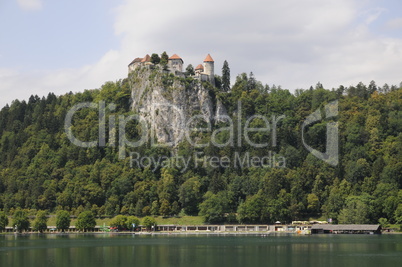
114	250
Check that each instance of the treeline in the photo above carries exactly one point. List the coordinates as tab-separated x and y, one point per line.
85	222
42	170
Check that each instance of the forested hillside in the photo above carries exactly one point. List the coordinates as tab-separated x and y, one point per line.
41	169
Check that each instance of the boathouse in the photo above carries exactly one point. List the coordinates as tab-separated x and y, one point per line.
346	229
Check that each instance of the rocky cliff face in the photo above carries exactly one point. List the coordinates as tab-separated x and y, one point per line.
172	104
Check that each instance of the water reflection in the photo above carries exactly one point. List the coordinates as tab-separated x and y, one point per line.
202	250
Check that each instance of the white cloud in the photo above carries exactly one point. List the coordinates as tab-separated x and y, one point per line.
394	24
30	4
290	43
20	85
373	14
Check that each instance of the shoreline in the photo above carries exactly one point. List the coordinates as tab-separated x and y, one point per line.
153	233
171	233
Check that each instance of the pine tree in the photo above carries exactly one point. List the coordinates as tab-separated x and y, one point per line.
225	76
164	58
251	82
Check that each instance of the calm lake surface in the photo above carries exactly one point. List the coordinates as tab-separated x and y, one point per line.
200	250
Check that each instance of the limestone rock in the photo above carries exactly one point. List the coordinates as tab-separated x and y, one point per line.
171	104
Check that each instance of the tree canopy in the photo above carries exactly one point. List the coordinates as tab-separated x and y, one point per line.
3	221
42	170
21	220
86	221
40	222
63	220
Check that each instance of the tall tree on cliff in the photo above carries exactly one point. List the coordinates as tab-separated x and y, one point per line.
225	76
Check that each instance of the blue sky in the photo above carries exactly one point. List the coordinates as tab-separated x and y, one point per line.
60	46
59	34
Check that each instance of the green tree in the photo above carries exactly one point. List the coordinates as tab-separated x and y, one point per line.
175	208
21	220
40	222
164	58
149	222
146	211
251	82
313	203
165	208
112	205
276	209
218	81
250	211
155	208
214	207
383	222
120	221
138	208
155	58
3	221
132	220
335	201
356	211
86	221
63	220
190	195
190	70
356	171
398	214
225	77
167	185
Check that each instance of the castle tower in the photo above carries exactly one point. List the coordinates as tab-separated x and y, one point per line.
175	63
134	64
199	69
209	68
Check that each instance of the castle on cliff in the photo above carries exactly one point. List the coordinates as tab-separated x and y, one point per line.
203	72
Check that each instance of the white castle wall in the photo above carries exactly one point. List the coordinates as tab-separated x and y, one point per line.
209	70
175	65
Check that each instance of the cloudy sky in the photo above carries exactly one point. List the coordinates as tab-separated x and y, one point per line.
70	45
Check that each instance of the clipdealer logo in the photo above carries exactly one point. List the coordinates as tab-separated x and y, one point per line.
238	134
331	155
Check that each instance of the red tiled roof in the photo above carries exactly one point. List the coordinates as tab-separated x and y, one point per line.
175	56
208	59
147	58
199	67
137	59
